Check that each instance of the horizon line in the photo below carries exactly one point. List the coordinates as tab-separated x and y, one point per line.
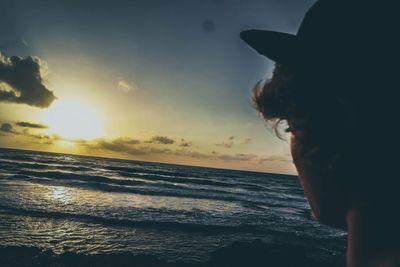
144	161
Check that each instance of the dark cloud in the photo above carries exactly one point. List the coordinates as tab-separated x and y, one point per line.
227	143
40	138
128	141
215	155
185	143
122	144
6	127
31	125
155	150
163	140
137	148
21	82
237	157
192	154
279	158
208	25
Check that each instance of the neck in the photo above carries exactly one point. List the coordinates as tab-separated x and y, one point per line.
372	239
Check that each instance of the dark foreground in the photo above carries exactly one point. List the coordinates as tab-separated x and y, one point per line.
256	254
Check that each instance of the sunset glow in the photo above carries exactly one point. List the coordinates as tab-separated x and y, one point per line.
73	119
129	88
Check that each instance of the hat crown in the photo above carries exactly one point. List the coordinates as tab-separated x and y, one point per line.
332	31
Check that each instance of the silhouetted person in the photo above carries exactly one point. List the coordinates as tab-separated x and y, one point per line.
336	83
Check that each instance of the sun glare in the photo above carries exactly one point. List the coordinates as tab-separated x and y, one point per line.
61	194
73	120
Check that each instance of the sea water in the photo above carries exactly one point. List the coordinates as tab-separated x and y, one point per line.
90	206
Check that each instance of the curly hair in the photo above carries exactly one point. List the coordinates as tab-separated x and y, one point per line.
319	116
273	98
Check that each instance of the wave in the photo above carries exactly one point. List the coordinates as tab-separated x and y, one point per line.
178	185
12	166
189	180
68	176
58	172
124	185
165	191
155	225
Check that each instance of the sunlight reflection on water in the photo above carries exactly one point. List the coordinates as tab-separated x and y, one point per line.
65	203
61	194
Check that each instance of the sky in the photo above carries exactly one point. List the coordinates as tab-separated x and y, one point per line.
152	80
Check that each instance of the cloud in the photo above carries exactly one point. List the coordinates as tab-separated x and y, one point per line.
139	148
21	81
163	140
41	138
31	125
237	157
192	154
272	158
126	86
124	145
155	145
227	143
185	143
246	141
6	127
216	156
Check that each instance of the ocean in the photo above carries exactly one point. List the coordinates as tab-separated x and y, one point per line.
68	210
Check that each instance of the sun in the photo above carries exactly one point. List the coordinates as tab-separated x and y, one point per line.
73	119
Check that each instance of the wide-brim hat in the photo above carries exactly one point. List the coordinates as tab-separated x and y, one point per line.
326	35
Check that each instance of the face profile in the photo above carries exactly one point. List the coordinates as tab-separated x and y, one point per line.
324	87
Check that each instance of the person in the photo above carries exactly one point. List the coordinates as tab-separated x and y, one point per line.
334	84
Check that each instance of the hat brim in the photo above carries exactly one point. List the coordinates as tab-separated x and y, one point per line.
277	46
